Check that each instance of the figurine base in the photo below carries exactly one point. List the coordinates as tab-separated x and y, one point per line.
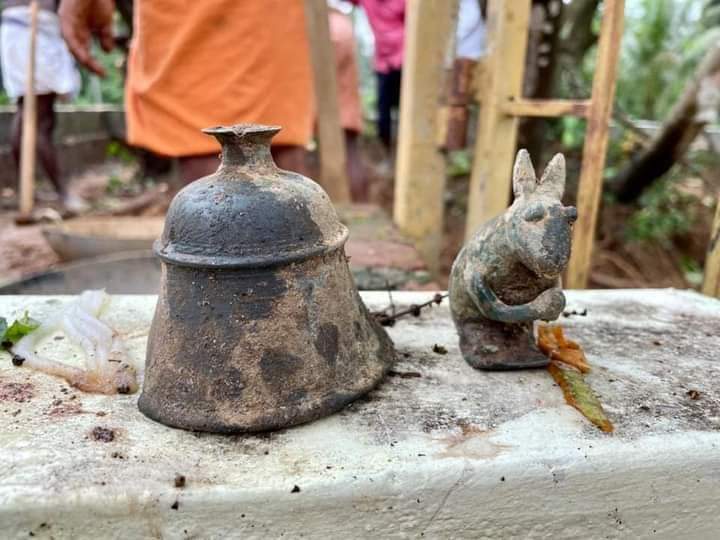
492	345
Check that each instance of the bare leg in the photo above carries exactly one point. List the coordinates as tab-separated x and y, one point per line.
16	136
359	186
194	167
45	146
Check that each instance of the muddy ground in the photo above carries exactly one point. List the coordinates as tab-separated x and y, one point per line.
108	188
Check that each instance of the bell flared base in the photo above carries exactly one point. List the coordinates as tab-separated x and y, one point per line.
244	350
179	416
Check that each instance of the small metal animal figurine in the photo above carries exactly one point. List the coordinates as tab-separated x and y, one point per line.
508	274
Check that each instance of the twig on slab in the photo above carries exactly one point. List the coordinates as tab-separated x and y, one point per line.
386	319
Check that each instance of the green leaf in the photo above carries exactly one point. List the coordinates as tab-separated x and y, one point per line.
578	394
459	163
19	329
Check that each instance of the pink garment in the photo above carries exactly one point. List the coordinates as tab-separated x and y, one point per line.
387	20
343	40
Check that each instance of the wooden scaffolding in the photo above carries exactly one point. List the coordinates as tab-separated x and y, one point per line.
420	176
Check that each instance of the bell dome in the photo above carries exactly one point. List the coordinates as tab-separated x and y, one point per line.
258	215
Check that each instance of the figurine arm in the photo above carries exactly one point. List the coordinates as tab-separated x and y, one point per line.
546	306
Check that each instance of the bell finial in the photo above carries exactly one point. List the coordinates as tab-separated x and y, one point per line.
245	144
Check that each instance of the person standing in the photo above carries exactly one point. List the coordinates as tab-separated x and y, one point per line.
198	64
348	88
55	77
387	21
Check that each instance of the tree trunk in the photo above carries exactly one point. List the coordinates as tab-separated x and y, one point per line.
560	36
540	69
578	27
697	106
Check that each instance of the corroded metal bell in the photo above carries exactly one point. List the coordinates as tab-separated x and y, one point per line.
258	324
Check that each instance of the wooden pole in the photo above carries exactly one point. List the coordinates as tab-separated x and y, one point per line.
491	176
711	281
547	108
331	140
29	123
420	168
596	138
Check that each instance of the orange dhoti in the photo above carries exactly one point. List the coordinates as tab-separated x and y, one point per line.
196	64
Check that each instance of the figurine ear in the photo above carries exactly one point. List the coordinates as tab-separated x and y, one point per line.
524	181
553	179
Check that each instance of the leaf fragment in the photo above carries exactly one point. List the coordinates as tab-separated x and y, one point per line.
18	329
552	341
580	395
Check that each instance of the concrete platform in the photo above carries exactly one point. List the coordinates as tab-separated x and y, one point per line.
438	451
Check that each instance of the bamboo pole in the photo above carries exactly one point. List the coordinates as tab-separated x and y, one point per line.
29	123
596	138
331	140
491	175
711	281
420	176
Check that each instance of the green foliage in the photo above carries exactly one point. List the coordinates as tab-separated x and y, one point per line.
664	214
109	89
572	132
120	151
18	329
459	163
662	43
692	270
115	185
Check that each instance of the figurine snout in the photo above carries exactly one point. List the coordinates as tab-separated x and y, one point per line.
570	214
556	238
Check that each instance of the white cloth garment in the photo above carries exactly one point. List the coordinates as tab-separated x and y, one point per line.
55	69
470	34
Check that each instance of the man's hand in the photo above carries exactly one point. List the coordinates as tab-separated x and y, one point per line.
80	20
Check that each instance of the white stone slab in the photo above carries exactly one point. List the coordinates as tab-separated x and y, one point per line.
438	450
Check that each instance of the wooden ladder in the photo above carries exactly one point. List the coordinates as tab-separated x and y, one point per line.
420	176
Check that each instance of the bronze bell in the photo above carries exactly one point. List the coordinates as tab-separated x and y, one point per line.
258	323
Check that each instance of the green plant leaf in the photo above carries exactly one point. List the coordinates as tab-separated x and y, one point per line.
19	329
580	395
459	163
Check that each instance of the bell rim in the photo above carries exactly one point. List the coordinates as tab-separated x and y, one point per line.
242	129
320	407
167	254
